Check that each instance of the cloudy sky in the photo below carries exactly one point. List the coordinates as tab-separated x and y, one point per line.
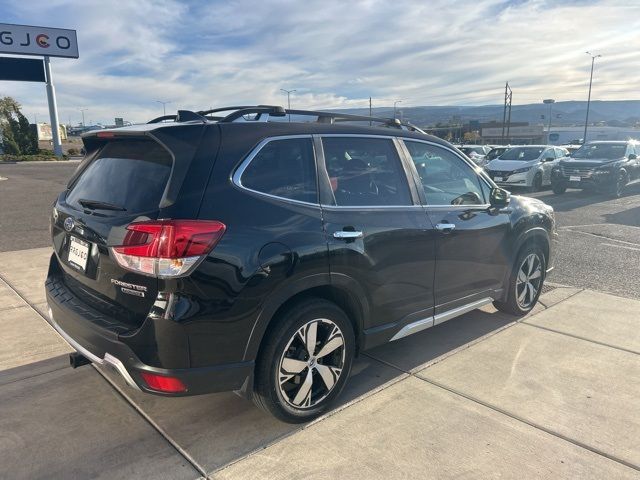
198	54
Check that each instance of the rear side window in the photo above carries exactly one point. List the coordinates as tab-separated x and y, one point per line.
365	171
284	168
131	174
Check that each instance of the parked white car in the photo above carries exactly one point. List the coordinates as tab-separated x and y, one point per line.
525	166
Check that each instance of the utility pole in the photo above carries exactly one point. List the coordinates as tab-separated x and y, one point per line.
53	109
164	106
508	95
586	120
288	92
82	110
550	102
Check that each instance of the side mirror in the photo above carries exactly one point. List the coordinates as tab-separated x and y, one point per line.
632	156
499	197
548	159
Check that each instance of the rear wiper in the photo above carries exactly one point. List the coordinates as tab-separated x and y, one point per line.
98	205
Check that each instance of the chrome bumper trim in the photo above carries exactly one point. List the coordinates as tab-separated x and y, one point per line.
107	360
429	322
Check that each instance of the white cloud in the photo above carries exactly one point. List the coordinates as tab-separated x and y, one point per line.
336	54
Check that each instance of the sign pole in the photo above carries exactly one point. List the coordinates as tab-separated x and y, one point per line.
53	109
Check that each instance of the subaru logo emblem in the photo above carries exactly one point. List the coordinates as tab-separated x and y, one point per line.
69	224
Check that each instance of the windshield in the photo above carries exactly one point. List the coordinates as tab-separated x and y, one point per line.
595	151
468	150
523	154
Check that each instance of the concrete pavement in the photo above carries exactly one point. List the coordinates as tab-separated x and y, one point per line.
551	396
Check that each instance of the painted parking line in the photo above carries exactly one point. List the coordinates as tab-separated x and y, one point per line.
620	246
601	237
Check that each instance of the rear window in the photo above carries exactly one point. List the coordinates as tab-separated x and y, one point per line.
131	174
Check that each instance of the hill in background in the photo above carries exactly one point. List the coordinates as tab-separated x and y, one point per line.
615	113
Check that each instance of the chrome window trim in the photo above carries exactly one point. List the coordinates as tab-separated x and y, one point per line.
236	177
372	207
358	135
393	139
423	324
475	168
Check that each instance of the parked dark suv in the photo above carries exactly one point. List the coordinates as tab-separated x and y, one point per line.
202	253
606	166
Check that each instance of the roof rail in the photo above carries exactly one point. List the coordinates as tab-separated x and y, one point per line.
263	112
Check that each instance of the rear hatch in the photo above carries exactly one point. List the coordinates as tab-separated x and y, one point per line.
126	177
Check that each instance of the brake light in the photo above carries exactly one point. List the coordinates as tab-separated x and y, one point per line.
163	384
167	248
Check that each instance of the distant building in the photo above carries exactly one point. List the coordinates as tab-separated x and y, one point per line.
517	134
564	135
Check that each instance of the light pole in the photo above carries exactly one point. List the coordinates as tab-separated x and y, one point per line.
586	120
82	110
164	106
394	107
550	102
288	92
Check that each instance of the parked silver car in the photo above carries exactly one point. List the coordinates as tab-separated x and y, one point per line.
525	166
477	153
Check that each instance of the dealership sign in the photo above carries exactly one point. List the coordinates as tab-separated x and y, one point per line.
44	41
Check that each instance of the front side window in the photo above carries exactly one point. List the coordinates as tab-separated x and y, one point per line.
446	179
365	171
630	150
284	168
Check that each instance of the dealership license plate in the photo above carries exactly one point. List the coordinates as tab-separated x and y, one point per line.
78	253
497	179
574	178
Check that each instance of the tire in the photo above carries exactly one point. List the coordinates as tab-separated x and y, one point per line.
558	188
617	190
524	286
292	384
536	185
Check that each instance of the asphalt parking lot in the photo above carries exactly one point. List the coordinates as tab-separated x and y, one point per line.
553	395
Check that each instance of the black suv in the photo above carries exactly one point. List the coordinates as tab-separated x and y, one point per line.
202	253
606	166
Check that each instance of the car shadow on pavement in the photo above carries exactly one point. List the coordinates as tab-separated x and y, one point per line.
417	351
574	199
218	429
629	217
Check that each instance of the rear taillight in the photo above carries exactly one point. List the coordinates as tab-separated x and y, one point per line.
162	383
167	248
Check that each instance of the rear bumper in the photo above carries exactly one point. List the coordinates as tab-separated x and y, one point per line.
103	346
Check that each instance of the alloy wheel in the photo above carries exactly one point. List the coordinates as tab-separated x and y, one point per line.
311	364
529	280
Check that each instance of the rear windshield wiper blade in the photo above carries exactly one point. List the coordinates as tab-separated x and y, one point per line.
98	205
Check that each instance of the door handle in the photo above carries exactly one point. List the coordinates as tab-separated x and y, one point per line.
445	227
347	235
